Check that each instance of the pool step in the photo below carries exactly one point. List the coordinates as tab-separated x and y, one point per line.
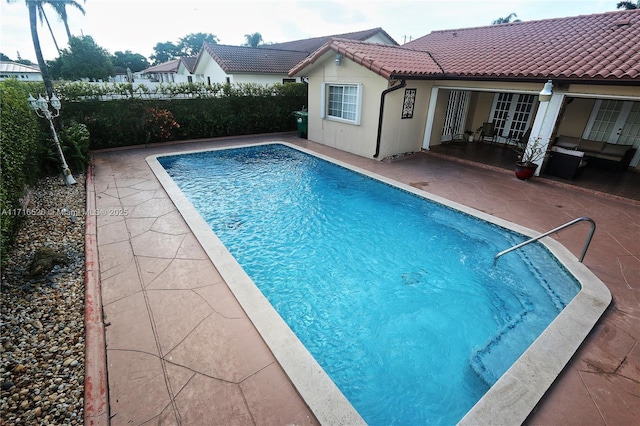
495	358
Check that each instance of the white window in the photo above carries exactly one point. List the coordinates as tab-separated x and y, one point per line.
343	102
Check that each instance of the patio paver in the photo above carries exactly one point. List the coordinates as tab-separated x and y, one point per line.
180	349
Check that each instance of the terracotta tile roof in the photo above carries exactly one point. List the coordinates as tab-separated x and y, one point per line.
312	44
602	47
189	62
235	59
382	59
593	47
274	58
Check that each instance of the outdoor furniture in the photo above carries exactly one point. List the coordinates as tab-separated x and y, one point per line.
488	131
601	154
520	142
565	163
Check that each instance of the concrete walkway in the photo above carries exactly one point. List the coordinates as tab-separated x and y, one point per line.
181	351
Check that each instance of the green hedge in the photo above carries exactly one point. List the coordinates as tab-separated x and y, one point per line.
20	150
233	110
135	116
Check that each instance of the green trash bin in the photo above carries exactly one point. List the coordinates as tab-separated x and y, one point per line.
302	118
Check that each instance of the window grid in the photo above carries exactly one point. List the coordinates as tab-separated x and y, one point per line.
605	120
343	101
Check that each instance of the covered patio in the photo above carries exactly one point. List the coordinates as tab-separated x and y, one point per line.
559	113
615	184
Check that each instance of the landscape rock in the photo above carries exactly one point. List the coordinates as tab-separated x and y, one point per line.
42	310
45	260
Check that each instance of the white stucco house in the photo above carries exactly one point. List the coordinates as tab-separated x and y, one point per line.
267	64
379	100
174	71
18	71
218	63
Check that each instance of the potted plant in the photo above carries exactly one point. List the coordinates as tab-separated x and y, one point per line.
528	154
468	135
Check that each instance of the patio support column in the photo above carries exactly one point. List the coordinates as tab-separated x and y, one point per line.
545	123
433	99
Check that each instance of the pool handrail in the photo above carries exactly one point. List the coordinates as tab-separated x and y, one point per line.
566	225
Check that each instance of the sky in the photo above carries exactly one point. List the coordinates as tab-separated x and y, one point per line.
138	25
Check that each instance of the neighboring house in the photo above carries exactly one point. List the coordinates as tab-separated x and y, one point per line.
218	63
310	45
268	64
186	67
18	71
173	71
379	101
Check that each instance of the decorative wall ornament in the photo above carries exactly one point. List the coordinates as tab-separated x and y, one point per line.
409	103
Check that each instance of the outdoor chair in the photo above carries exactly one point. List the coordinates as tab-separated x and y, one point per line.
488	132
523	140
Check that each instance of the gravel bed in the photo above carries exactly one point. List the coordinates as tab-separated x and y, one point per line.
42	311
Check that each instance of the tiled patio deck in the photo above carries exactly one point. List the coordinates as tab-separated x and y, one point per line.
180	350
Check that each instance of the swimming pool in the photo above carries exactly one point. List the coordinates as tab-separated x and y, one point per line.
409	280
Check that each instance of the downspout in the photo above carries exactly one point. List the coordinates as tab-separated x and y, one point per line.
402	84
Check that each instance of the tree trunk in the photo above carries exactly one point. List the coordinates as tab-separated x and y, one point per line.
44	70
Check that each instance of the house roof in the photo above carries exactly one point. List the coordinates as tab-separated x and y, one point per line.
172	65
169	66
8	66
189	62
312	44
602	47
382	59
276	58
240	59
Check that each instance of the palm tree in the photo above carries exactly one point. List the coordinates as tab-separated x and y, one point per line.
253	40
35	10
506	20
628	5
60	7
32	5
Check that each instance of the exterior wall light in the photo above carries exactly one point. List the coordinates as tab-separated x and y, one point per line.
41	107
338	59
546	92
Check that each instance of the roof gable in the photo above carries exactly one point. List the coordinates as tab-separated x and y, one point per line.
382	59
189	62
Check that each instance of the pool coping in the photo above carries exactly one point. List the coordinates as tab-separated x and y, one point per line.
508	401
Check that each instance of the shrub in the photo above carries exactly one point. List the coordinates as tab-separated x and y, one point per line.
159	124
188	111
75	141
20	134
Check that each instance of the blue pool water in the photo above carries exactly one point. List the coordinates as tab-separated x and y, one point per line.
397	297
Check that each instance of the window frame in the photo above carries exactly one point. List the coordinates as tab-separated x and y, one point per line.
325	98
